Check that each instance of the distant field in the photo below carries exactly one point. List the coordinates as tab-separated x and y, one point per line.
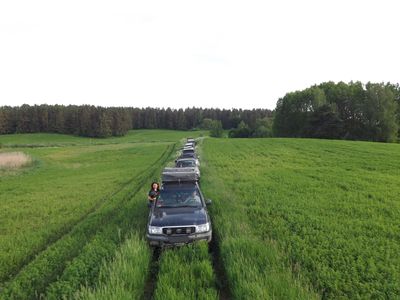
133	136
301	218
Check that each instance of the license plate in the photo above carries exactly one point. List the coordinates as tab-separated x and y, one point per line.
179	240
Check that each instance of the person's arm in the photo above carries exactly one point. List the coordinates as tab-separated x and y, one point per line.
150	196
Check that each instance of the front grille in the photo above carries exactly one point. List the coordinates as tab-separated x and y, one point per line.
178	230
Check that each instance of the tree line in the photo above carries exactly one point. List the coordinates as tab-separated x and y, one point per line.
94	121
329	110
340	111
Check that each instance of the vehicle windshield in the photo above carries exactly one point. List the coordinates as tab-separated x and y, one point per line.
186	164
179	198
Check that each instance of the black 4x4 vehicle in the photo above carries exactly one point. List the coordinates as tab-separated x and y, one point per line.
179	216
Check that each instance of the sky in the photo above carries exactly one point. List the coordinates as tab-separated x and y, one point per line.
178	54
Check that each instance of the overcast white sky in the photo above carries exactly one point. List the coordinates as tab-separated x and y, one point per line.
242	54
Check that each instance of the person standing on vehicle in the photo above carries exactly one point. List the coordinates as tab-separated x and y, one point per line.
154	192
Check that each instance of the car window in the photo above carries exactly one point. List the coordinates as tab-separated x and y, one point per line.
179	198
186	164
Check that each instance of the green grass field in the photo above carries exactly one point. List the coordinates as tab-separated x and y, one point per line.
64	214
133	136
68	183
293	219
186	273
301	218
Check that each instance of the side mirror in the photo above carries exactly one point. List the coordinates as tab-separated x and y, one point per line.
208	202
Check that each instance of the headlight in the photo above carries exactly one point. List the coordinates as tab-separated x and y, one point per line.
155	230
203	228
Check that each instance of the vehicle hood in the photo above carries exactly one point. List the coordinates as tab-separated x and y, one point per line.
183	216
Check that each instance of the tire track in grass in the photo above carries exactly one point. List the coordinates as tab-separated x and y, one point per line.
186	273
254	268
84	269
189	272
153	274
112	282
64	231
117	285
70	227
33	279
124	276
219	271
177	273
224	292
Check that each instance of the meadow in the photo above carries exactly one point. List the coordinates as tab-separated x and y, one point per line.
186	273
71	209
303	218
292	218
29	140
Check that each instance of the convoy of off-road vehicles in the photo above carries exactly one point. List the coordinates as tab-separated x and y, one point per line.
179	215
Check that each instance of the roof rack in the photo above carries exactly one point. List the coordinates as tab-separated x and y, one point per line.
179	175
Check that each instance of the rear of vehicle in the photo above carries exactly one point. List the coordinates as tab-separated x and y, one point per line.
191	140
191	145
185	163
190	163
188	151
188	155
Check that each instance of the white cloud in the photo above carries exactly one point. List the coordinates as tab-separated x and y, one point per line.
190	53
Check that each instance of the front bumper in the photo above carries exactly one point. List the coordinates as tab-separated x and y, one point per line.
163	240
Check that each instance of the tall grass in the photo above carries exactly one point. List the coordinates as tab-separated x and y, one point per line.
183	273
297	213
40	206
254	266
14	160
59	268
124	277
131	215
186	273
98	231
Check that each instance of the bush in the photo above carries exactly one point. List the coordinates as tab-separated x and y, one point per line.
243	131
216	129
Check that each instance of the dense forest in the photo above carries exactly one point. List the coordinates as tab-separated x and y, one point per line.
341	111
329	110
95	121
